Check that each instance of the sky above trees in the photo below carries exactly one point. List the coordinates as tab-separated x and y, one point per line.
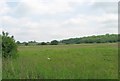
46	20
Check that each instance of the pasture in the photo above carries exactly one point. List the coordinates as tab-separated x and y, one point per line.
78	61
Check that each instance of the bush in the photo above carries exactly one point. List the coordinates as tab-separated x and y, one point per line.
54	42
18	42
26	44
43	43
9	47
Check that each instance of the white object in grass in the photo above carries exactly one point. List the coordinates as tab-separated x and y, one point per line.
48	58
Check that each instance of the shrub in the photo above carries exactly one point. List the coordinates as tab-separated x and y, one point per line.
18	42
43	43
9	47
26	44
54	42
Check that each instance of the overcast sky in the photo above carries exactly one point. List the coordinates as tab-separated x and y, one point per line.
46	20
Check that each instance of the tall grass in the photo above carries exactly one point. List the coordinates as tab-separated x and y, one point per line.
85	61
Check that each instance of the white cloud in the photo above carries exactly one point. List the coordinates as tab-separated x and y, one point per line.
92	24
31	7
46	7
82	20
26	27
53	6
79	20
3	7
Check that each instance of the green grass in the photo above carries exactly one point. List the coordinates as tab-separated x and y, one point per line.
82	61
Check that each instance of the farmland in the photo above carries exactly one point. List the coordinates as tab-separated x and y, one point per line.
75	61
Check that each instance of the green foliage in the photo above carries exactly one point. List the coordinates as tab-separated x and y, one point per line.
54	42
26	44
43	43
18	42
9	47
108	38
32	41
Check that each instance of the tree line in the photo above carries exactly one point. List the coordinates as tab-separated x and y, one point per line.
107	38
53	42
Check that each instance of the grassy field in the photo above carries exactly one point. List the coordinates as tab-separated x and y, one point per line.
81	61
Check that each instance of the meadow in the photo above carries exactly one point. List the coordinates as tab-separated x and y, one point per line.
77	61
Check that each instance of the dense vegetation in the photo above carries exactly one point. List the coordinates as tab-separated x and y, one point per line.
54	42
9	47
108	38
